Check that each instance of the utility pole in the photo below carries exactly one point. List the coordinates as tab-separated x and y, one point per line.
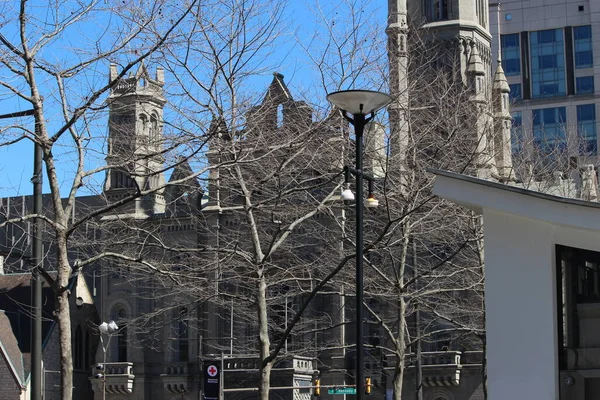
36	256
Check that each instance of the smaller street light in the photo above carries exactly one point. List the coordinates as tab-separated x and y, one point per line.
347	194
108	329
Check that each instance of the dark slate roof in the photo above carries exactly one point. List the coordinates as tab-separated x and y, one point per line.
10	347
15	300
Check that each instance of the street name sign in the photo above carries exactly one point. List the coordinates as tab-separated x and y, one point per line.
342	390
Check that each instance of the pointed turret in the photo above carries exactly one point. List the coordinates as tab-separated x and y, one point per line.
476	73
502	125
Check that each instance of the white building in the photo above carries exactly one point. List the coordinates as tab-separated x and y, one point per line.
542	289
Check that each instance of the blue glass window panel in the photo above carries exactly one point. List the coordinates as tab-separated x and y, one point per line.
547	63
547	36
512	67
549	129
586	128
584	59
510	40
586	112
582	32
584	84
582	41
515	91
511	54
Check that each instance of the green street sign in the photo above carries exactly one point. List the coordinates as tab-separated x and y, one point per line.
345	390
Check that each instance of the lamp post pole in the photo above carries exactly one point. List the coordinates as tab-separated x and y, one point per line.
359	126
107	329
356	102
36	278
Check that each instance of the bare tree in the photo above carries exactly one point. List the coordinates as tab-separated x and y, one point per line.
59	83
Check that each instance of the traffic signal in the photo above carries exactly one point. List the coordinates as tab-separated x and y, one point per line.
368	385
317	388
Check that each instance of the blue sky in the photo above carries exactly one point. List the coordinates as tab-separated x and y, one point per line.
303	38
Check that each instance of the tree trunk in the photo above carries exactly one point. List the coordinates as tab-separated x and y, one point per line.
63	315
400	350
263	337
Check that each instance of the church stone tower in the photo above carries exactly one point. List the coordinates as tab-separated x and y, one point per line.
461	23
135	141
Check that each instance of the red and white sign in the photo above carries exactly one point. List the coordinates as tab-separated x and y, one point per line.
212	371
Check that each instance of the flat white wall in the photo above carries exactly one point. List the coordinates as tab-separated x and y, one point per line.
520	302
520	290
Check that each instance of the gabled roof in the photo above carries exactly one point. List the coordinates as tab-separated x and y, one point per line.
277	92
183	196
15	300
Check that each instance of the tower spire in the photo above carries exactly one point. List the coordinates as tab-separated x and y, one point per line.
397	32
499	49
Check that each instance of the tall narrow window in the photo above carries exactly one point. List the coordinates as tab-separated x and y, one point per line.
181	336
120	338
144	127
547	63
78	353
280	115
511	54
436	10
582	41
549	129
586	129
87	348
154	136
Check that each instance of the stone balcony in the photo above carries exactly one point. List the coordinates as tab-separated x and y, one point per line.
119	379
178	378
442	368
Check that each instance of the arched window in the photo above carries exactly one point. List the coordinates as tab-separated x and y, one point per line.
120	338
78	350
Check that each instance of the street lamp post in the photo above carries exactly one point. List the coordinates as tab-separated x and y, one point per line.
108	329
359	103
